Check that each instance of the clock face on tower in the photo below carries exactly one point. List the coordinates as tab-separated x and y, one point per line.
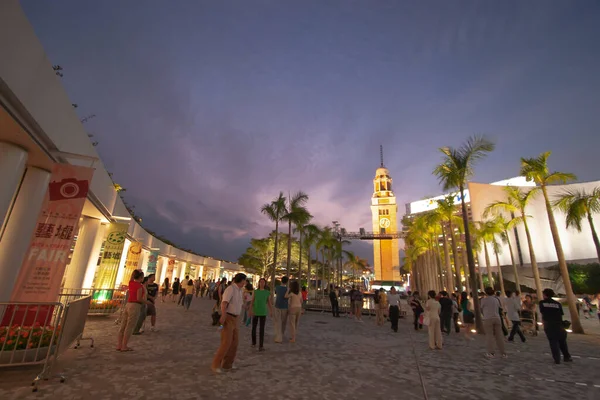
384	223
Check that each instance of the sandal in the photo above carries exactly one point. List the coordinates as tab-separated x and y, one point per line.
126	349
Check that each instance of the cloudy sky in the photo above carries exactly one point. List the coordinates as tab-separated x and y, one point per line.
205	110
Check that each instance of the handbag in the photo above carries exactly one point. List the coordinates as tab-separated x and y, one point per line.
426	321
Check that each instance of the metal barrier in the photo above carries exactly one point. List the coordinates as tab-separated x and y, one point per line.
104	301
324	305
37	333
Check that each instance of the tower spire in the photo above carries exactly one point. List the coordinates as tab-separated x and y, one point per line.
381	154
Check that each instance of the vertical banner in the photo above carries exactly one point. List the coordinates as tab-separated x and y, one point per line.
170	269
42	271
132	262
106	273
152	261
188	270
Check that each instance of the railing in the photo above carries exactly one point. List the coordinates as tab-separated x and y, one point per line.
37	333
103	302
324	305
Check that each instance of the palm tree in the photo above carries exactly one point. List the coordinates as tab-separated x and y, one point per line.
486	234
296	213
505	237
454	173
324	243
275	210
300	228
578	205
516	202
312	236
447	212
354	263
536	169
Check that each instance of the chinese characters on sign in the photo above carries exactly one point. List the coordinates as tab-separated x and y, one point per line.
42	271
106	273
133	261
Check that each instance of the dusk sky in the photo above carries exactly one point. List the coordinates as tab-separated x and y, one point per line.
205	110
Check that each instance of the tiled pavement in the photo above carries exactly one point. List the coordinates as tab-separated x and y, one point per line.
332	359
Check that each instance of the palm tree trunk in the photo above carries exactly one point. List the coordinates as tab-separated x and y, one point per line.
275	256
308	261
471	261
594	234
512	260
438	263
289	248
449	275
500	277
466	271
300	259
457	281
534	267
564	270
480	277
488	265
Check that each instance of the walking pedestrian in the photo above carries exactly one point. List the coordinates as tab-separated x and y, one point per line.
176	287
467	314
261	299
165	290
183	290
383	307
189	292
491	311
554	326
295	308
433	308
152	294
132	310
248	291
281	310
357	299
231	307
333	299
446	312
393	300
415	304
455	312
513	309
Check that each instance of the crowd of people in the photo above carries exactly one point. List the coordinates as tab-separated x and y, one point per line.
238	303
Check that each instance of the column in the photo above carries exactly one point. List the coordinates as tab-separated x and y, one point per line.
159	270
12	167
83	255
92	265
144	262
20	227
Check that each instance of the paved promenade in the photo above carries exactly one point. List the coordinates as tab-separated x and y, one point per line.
333	359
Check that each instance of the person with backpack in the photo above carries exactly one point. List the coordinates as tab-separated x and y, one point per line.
417	308
378	311
176	287
217	296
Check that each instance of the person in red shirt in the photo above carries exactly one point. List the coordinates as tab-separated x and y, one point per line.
132	310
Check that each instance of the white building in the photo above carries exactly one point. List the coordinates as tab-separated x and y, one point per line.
38	129
578	246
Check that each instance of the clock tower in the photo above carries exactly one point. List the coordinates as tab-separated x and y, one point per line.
384	210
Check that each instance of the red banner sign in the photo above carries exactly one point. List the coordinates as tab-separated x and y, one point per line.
42	271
